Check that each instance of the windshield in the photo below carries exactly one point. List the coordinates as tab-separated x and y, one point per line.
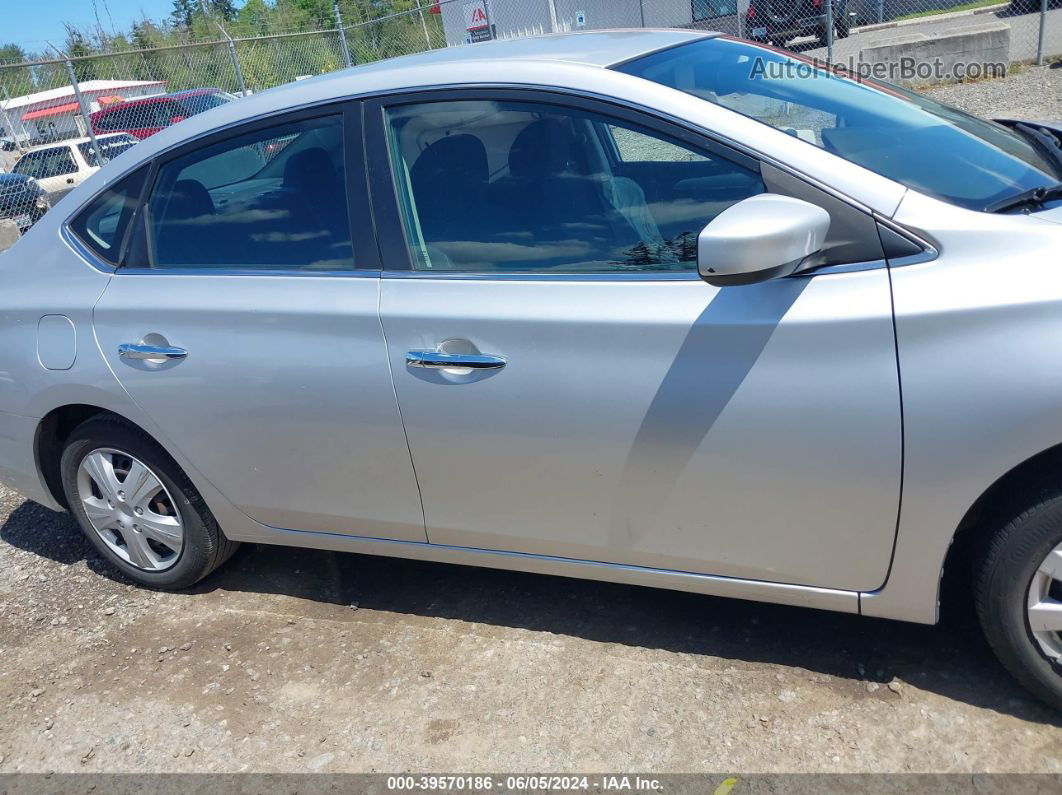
906	137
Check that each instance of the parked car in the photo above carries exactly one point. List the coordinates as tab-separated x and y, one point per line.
59	168
145	117
604	305
22	200
781	21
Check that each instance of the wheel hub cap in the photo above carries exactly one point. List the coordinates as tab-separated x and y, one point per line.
1044	607
130	509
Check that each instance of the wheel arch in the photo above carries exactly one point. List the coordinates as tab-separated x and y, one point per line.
986	515
55	428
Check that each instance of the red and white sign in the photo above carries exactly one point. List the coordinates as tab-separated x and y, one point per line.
476	15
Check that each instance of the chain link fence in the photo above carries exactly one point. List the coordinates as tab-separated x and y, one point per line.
62	116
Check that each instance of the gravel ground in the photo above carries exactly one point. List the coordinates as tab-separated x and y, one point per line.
291	660
1033	92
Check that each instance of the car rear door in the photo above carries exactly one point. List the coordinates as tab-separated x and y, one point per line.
571	388
244	321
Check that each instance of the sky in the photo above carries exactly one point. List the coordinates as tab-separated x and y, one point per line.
32	23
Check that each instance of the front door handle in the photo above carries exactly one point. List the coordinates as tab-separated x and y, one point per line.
438	360
128	350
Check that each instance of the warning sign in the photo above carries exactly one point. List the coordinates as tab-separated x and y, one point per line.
476	15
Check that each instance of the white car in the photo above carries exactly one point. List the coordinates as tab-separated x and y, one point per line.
61	167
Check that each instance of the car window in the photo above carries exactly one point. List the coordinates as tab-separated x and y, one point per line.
101	225
220	207
29	164
911	139
198	103
45	163
518	186
112	147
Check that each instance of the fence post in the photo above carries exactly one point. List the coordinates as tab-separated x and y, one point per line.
8	126
1040	39
342	35
829	32
100	155
424	26
236	66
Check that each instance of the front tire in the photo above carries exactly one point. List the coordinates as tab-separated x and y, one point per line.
137	508
1019	595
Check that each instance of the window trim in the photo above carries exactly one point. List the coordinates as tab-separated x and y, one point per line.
383	187
85	248
363	244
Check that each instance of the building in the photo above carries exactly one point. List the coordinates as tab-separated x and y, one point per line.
55	114
466	20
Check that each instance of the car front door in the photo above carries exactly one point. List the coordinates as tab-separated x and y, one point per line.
571	388
244	321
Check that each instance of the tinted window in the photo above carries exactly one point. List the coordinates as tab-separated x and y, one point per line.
198	103
272	199
47	163
112	147
102	224
516	186
710	9
906	137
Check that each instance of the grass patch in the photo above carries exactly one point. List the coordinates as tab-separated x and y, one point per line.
961	7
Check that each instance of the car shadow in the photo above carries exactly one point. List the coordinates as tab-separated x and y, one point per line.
950	659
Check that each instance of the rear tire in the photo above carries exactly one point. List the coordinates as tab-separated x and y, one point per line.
1016	593
177	543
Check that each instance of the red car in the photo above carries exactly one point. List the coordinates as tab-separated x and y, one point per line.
145	117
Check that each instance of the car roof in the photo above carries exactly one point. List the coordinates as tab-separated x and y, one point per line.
602	48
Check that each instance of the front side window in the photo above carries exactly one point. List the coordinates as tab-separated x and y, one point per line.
500	186
270	199
903	136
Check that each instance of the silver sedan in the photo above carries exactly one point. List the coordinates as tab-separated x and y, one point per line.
659	307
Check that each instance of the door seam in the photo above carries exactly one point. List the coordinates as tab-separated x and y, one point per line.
398	405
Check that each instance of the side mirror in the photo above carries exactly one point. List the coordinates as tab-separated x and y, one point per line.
763	237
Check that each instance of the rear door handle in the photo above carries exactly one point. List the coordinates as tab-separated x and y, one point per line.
440	361
128	350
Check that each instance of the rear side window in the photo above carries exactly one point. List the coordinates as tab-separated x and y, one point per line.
111	147
103	223
273	199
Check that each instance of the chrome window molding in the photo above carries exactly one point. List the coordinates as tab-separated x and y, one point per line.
531	276
357	273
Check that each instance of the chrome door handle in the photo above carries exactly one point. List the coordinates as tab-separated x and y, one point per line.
439	361
128	350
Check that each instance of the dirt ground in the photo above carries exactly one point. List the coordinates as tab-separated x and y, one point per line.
290	660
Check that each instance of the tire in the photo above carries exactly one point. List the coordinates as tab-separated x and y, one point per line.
1003	581
176	508
842	29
